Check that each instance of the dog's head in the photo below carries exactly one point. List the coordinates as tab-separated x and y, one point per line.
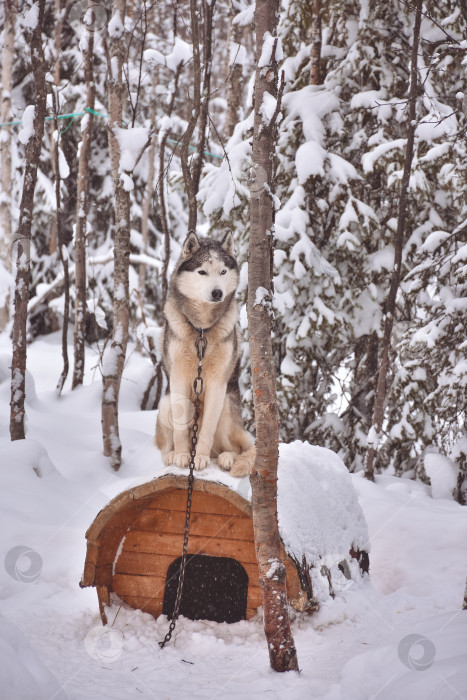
207	270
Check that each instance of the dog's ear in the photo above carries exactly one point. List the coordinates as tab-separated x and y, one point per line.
191	245
228	243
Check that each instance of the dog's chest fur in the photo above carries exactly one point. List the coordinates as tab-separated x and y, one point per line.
179	351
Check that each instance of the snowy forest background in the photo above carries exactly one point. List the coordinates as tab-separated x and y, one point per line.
340	155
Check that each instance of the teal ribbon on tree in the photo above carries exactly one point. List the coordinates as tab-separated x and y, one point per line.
73	115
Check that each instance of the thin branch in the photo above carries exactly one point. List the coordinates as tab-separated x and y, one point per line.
412	8
278	102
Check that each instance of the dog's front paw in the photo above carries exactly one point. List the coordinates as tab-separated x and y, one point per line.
226	459
168	458
243	464
180	459
202	461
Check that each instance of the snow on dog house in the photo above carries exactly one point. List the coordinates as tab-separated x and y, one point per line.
135	542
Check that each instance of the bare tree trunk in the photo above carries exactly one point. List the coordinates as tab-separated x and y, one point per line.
23	239
146	207
282	653
114	355
163	213
62	251
390	306
149	189
5	149
359	414
59	18
195	112
315	70
235	76
206	92
82	213
161	180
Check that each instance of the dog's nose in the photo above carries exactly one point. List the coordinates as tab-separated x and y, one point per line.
216	294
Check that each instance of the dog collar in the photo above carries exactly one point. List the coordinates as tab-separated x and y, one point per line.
198	330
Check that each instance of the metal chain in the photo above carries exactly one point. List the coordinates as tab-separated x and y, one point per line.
198	385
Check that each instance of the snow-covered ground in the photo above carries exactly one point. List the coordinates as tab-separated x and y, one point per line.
402	635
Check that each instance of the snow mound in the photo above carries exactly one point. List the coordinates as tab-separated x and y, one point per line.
427	663
22	674
319	512
443	475
320	518
36	500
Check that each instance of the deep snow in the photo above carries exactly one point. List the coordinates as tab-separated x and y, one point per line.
401	635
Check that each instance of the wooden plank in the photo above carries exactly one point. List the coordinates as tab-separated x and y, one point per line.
92	552
166	543
202	501
103	576
103	598
144	563
225	493
142	586
255	597
207	524
89	575
153	606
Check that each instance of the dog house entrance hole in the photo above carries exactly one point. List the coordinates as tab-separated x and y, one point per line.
215	588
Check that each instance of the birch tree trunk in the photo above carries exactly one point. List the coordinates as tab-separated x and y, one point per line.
272	572
390	305
82	213
114	355
5	149
23	238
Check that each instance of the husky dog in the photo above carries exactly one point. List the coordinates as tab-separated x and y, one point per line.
201	296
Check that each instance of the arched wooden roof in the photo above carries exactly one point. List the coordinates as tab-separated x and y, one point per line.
113	521
139	496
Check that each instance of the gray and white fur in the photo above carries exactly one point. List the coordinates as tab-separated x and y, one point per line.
202	296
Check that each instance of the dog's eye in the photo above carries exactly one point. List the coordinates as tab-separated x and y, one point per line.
223	272
202	272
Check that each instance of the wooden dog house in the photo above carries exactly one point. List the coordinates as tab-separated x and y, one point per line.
134	545
134	541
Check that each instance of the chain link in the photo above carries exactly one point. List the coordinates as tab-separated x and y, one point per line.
200	344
